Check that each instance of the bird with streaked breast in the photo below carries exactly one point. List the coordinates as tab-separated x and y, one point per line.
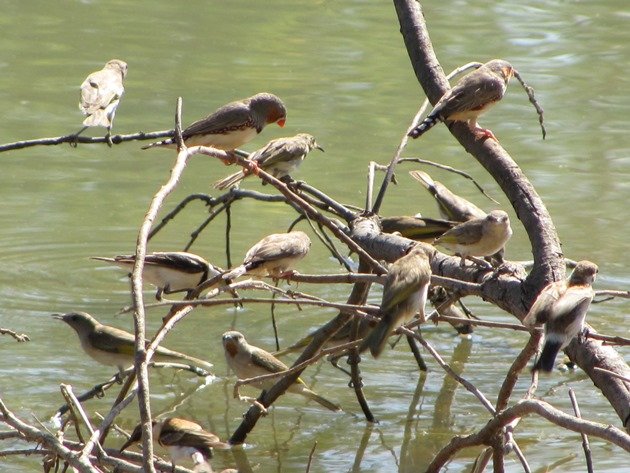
248	361
233	124
279	157
112	346
274	255
562	307
184	440
170	272
473	95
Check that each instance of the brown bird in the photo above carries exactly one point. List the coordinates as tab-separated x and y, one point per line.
279	157
232	125
183	439
404	296
562	307
170	272
100	96
473	95
273	256
478	237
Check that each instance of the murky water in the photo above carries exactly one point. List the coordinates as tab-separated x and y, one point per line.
344	74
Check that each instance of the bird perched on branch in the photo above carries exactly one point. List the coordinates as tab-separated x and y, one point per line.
170	272
248	361
232	125
279	157
114	347
478	237
273	256
562	307
100	95
404	296
473	95
183	439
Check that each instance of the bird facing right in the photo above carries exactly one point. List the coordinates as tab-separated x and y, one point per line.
562	307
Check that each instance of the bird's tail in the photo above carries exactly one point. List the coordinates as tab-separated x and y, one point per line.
236	272
162	352
429	122
98	118
424	179
156	144
229	181
547	358
103	258
377	338
321	400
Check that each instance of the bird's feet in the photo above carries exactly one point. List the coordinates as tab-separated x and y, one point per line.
483	134
253	401
583	335
108	139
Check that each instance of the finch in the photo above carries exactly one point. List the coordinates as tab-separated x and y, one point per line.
478	237
100	95
114	347
473	95
170	272
279	157
562	307
248	361
233	124
273	256
183	439
404	296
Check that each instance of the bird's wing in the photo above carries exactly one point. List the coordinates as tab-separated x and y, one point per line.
473	92
112	340
229	117
99	90
543	306
183	437
181	261
280	150
400	284
267	361
273	247
573	304
467	233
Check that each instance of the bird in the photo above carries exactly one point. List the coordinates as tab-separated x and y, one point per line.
183	439
416	228
100	95
562	307
473	95
279	157
404	296
170	272
273	256
233	124
478	237
451	206
248	361
114	347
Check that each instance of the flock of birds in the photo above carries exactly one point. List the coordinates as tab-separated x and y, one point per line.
561	306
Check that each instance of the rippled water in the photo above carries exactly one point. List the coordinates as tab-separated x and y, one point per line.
343	72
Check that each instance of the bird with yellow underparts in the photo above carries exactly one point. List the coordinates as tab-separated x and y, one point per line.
562	307
249	361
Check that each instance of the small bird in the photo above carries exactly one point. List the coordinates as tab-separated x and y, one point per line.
451	206
416	228
473	95
404	296
233	124
478	237
114	347
279	157
183	439
273	256
562	307
170	272
248	361
100	95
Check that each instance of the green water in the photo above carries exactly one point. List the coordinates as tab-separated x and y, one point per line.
345	77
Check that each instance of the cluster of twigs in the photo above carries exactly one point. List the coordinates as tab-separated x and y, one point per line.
357	230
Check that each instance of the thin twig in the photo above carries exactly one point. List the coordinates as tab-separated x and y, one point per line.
585	444
533	101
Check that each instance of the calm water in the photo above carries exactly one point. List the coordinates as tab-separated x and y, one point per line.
345	76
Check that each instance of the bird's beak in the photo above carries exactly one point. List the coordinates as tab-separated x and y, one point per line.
319	148
57	316
281	122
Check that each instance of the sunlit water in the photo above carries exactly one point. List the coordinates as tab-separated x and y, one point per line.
345	76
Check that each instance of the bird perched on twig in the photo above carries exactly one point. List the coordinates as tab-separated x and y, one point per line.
100	95
478	237
473	95
562	307
233	124
273	256
404	296
248	361
170	272
279	157
114	347
183	439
